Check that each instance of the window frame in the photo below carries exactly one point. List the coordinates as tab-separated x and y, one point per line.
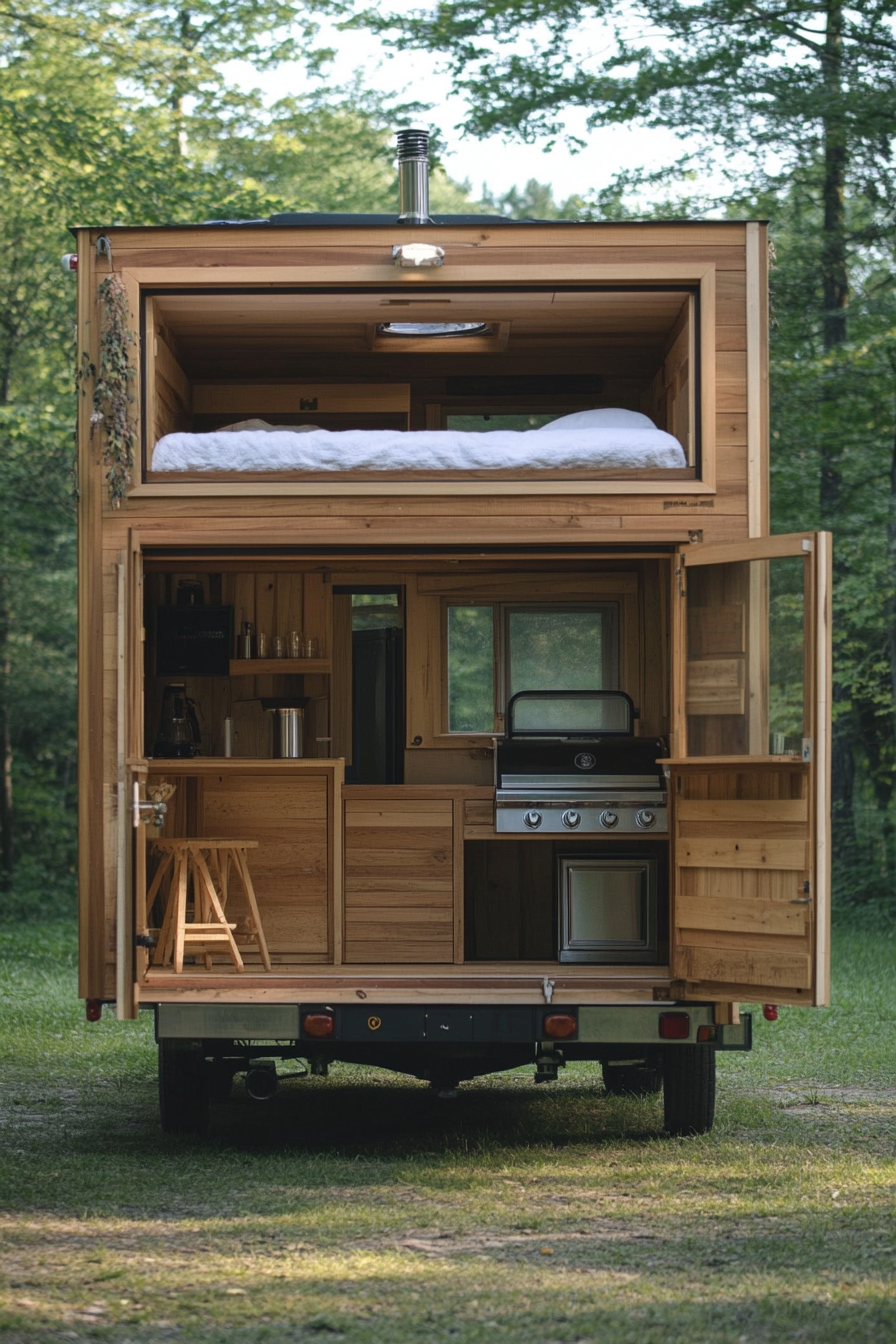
501	612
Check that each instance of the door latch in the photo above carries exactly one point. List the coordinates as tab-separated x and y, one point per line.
806	898
149	813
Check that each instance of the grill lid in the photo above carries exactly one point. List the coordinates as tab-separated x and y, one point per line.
570	714
575	741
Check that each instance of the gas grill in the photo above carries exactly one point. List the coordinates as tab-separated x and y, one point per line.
571	765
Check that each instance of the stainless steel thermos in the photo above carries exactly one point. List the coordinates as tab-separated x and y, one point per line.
288	725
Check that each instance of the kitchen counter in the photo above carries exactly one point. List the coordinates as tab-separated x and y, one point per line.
235	765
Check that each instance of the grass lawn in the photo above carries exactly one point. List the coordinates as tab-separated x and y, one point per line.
363	1208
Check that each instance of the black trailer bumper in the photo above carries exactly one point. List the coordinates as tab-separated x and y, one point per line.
590	1031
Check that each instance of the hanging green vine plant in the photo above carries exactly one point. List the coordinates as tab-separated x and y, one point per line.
111	390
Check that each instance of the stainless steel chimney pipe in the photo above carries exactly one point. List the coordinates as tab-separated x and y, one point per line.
413	176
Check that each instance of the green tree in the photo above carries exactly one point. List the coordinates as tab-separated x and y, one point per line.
802	93
93	103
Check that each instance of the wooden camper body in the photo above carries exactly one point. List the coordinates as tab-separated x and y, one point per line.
372	889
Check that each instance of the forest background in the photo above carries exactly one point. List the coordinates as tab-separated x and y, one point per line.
122	113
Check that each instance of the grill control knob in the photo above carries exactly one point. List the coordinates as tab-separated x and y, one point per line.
571	819
646	819
532	820
609	819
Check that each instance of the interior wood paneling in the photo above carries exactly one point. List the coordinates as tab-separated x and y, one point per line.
509	901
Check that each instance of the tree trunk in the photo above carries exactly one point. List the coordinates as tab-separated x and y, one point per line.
7	832
834	260
835	292
835	270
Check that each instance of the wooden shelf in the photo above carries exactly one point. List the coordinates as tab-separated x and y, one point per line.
288	667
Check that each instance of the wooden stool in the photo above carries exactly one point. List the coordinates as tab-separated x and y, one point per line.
209	863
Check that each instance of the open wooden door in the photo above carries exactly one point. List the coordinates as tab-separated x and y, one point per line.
750	770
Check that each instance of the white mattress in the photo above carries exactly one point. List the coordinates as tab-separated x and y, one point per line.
431	450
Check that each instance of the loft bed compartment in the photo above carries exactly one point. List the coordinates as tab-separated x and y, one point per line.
298	385
610	439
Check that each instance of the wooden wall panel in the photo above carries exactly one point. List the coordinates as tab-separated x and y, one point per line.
399	880
509	901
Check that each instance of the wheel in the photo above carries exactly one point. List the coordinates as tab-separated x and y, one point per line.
183	1090
631	1080
689	1089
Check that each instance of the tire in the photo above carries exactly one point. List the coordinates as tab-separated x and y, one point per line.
689	1090
631	1080
183	1090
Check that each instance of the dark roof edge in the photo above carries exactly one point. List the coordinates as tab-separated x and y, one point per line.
299	220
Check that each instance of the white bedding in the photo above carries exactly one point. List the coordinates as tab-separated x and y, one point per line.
565	448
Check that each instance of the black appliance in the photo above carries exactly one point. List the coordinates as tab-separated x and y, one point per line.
194	641
571	765
608	908
377	707
179	735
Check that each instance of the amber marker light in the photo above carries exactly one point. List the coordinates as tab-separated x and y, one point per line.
559	1026
318	1024
675	1026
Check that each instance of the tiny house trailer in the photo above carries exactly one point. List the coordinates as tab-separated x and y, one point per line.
453	875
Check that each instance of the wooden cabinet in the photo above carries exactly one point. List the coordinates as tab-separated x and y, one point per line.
287	815
291	809
400	874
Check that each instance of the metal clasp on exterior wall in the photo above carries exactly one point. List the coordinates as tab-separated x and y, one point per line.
149	813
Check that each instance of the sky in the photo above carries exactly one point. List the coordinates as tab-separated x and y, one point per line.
498	164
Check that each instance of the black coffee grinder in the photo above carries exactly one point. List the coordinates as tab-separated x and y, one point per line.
179	735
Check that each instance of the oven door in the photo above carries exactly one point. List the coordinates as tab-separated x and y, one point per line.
608	909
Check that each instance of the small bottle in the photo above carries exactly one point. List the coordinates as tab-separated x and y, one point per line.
310	648
295	643
228	737
262	644
246	640
277	646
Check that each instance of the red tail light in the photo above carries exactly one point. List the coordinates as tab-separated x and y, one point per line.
705	1033
675	1026
560	1026
93	1009
770	1012
318	1024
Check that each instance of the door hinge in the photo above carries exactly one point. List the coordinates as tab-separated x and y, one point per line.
680	579
807	751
